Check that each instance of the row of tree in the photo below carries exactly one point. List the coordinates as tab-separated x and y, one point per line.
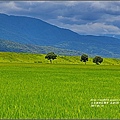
97	59
84	58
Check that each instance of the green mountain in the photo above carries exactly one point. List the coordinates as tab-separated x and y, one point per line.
32	31
6	45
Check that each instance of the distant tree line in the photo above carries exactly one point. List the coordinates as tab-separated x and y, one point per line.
84	58
97	59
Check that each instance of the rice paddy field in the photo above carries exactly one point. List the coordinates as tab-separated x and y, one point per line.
38	90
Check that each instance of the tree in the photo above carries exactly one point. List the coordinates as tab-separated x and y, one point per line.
98	60
84	58
51	56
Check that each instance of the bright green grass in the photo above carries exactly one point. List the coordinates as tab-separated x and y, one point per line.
11	57
58	91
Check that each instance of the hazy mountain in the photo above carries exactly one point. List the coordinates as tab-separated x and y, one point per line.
6	45
33	31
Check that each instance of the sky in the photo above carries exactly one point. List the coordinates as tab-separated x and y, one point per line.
83	17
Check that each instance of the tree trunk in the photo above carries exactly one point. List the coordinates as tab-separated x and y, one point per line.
97	63
51	61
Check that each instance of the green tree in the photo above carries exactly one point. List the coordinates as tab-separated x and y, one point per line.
84	58
51	56
98	60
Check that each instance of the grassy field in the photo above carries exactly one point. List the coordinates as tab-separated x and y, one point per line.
70	90
11	57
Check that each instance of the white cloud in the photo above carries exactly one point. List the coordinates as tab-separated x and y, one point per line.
94	29
108	7
111	18
7	7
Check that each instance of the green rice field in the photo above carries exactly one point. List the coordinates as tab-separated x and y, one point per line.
72	90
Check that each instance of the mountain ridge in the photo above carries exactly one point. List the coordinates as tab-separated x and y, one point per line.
32	31
10	46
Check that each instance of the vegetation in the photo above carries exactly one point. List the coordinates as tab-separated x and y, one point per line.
32	88
84	58
58	91
98	60
6	45
11	57
51	56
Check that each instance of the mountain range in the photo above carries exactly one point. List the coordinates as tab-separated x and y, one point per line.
6	45
35	34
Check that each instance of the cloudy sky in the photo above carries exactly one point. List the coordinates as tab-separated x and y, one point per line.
83	17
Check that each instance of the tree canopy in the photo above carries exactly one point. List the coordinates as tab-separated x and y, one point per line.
84	58
51	56
98	60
